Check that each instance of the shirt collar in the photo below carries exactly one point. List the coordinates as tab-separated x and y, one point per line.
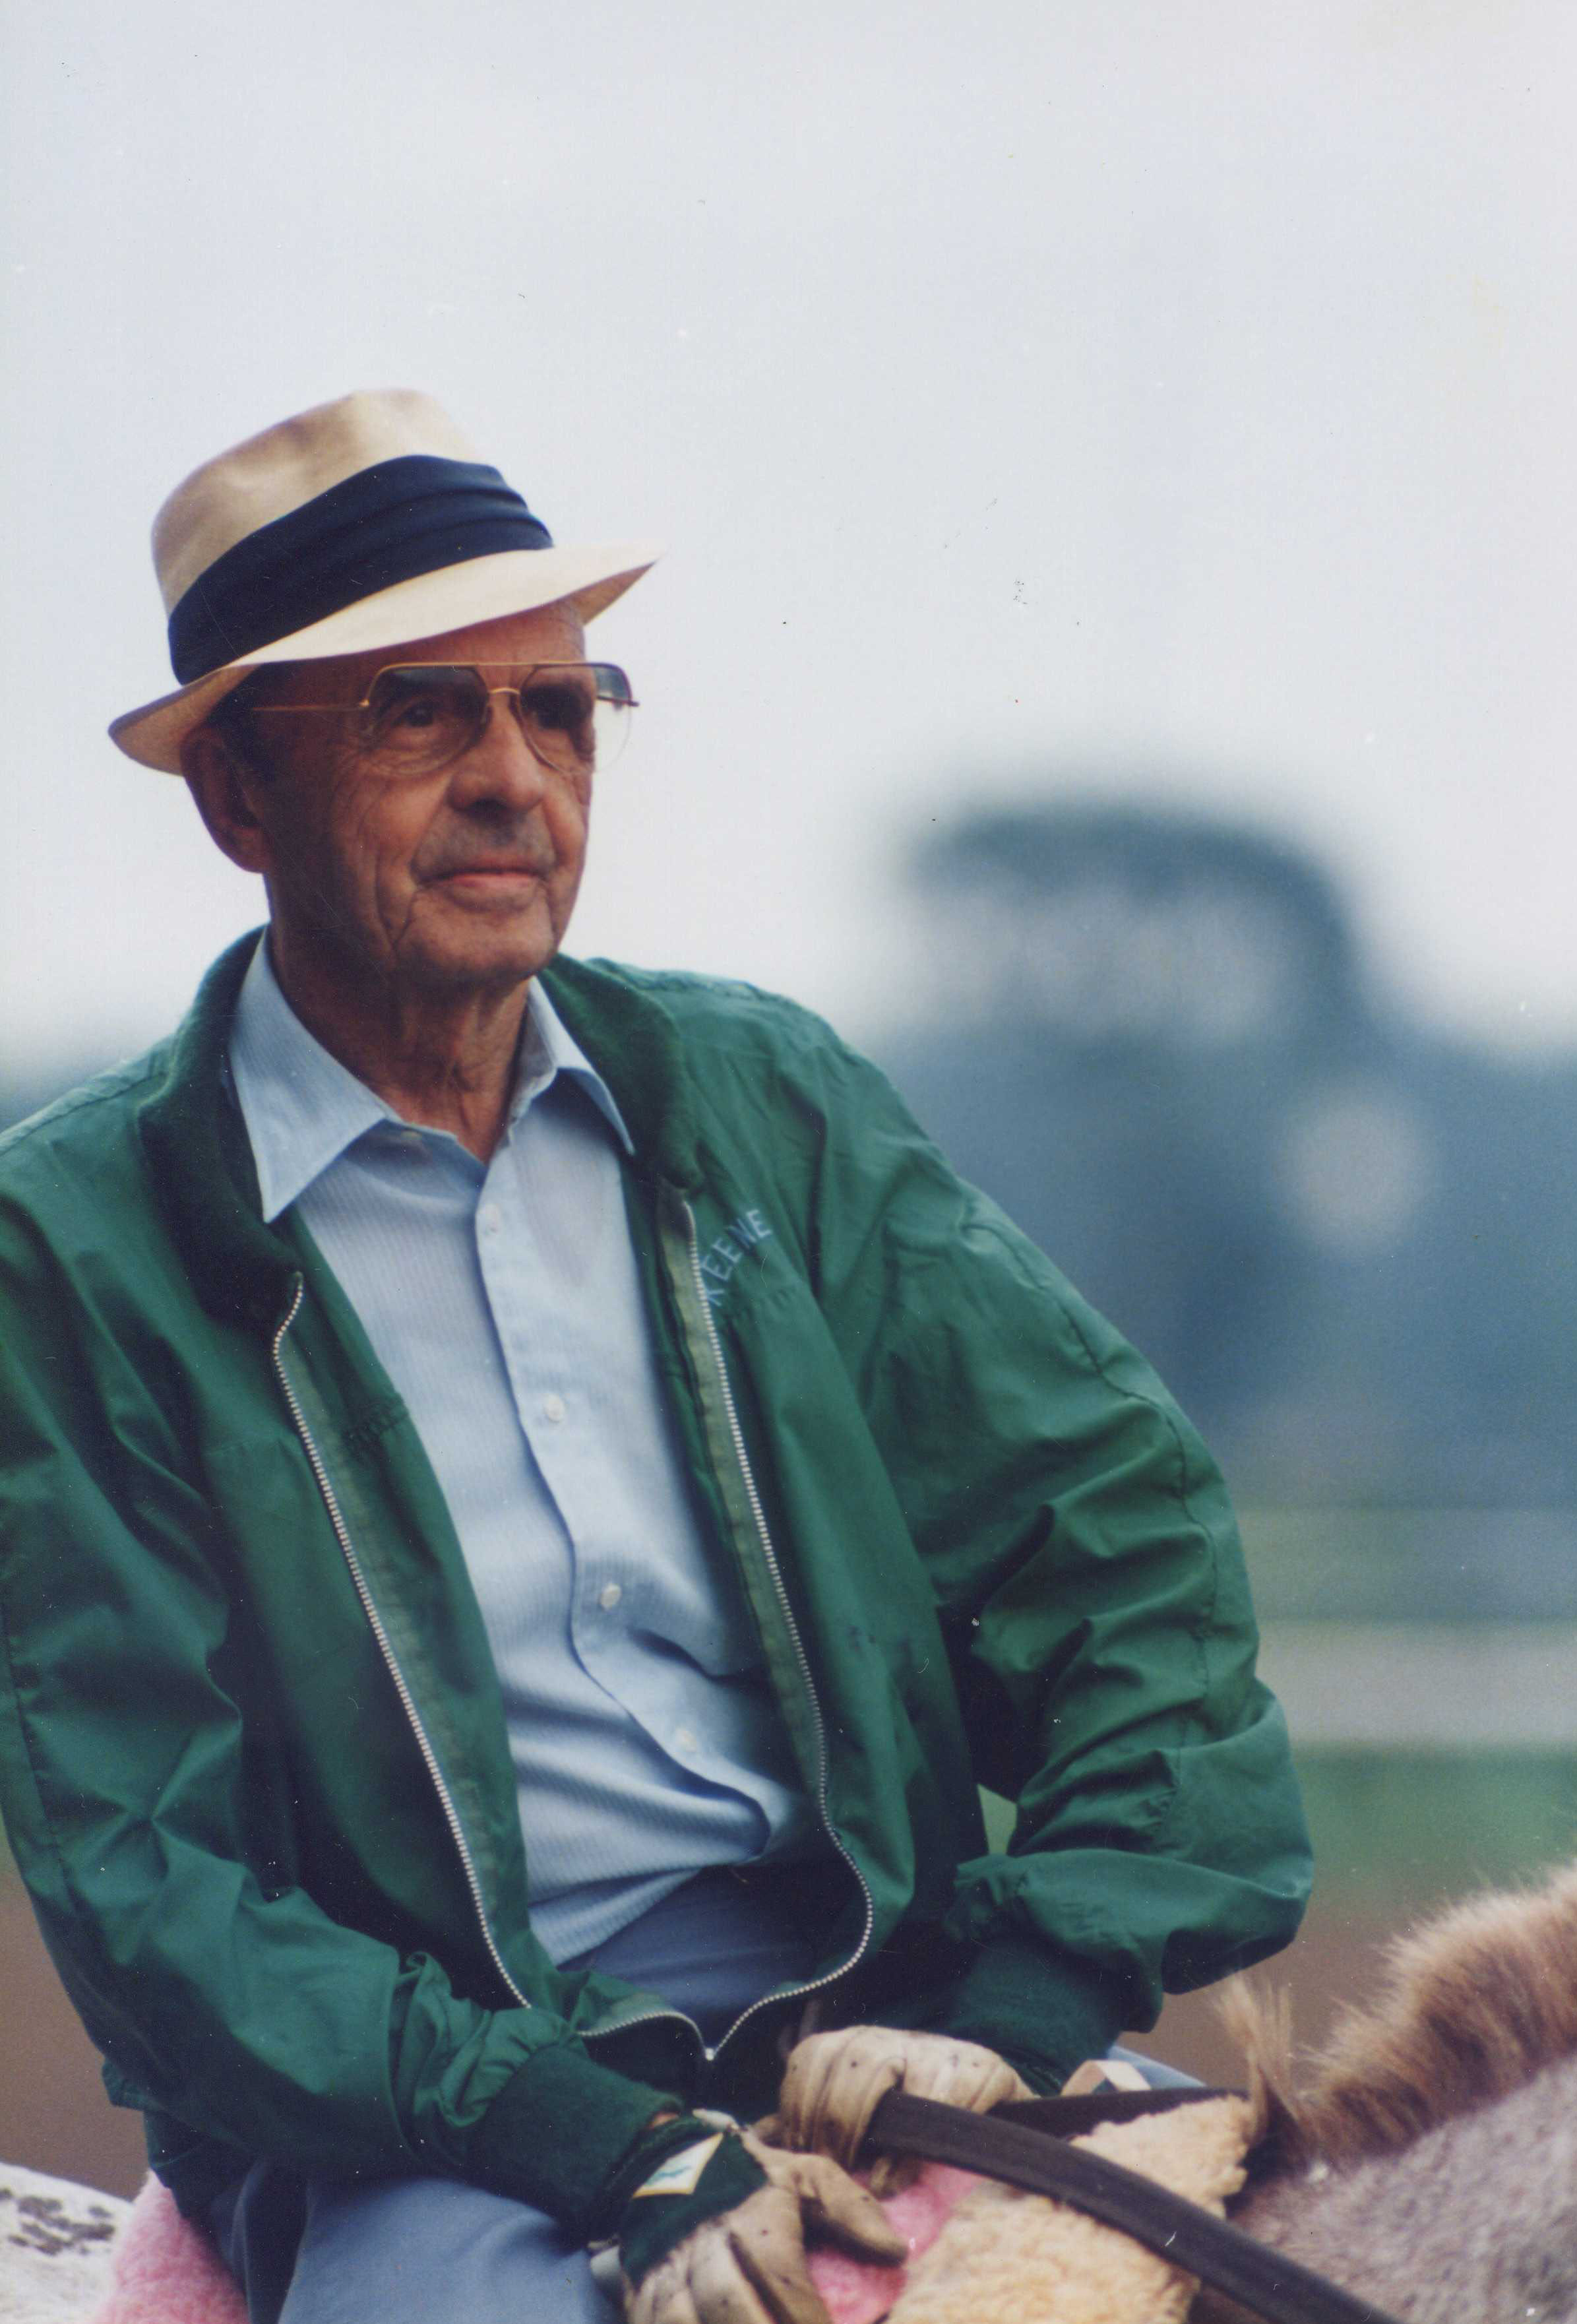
303	1108
548	1049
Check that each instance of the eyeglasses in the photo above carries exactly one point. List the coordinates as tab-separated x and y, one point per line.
417	716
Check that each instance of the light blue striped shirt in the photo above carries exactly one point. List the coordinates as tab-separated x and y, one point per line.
504	1301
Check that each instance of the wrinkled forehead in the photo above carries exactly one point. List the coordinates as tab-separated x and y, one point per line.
551	634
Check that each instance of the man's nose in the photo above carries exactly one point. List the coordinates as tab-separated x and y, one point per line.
501	764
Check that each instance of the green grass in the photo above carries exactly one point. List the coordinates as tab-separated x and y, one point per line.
1405	1826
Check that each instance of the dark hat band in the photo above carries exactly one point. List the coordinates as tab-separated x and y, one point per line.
383	525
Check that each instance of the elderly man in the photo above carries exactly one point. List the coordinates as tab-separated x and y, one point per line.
468	1410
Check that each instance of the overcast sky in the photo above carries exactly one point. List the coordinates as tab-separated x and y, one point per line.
1049	393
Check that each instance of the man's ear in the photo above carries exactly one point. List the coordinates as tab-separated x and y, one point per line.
223	784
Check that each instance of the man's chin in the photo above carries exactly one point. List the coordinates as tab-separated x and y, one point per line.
461	947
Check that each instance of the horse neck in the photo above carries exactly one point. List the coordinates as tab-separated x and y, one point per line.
1476	2218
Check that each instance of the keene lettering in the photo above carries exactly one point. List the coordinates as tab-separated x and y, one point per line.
723	1255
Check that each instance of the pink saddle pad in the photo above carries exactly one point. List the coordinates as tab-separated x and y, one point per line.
855	2291
166	2271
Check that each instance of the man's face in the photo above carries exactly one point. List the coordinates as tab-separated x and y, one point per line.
460	879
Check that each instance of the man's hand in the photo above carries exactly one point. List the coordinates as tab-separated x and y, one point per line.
747	2266
834	2082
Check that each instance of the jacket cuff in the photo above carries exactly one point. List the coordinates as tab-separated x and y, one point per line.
1043	2010
557	2132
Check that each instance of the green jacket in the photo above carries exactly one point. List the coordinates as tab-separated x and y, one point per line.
254	1758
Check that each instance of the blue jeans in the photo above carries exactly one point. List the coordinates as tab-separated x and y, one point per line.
433	2251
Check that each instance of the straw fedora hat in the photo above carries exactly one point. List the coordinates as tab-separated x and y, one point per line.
362	523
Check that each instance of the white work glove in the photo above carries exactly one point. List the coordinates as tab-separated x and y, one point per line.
747	2266
833	2081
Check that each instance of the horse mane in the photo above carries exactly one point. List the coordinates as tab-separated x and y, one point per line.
1471	2006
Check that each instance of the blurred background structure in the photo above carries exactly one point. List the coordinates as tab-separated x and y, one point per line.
1115	659
1348	1244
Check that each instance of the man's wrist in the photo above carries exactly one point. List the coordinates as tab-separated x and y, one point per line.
691	2171
1043	2010
663	2138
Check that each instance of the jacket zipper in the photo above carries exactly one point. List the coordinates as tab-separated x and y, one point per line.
369	1608
759	1515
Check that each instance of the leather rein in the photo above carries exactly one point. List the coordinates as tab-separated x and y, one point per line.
1027	2145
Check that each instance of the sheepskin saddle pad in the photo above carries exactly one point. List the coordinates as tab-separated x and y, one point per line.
999	2257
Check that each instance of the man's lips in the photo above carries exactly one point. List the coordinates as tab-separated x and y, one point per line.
510	884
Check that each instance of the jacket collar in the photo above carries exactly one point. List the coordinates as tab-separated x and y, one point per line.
635	1045
200	1160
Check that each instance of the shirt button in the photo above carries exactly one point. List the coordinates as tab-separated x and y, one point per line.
609	1596
553	1407
685	1740
489	1218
